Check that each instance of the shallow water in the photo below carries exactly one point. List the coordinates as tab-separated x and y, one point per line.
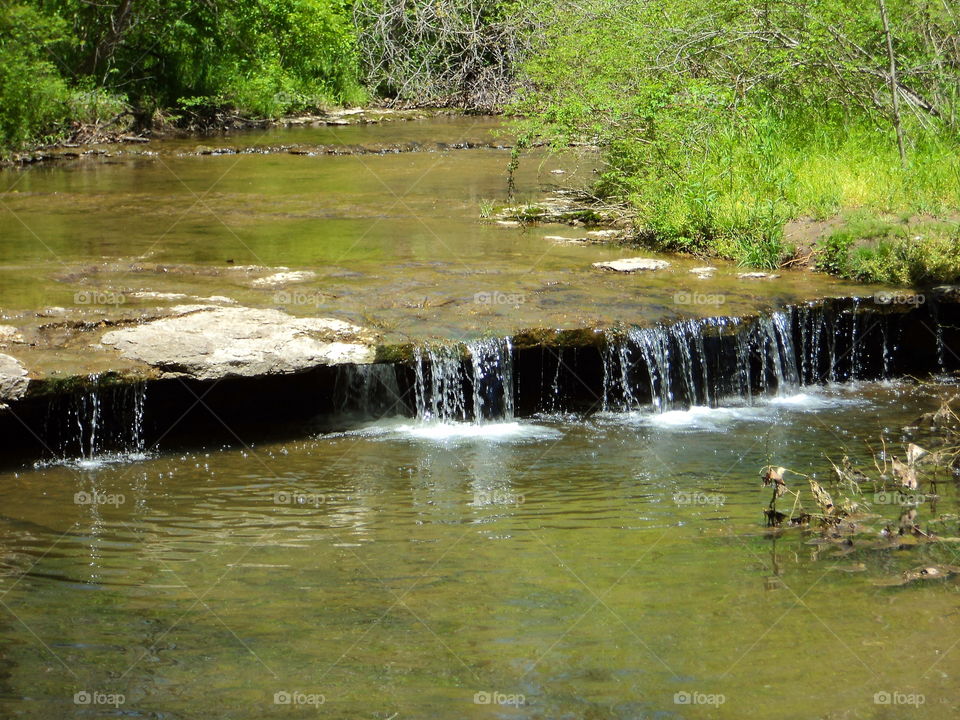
593	567
395	240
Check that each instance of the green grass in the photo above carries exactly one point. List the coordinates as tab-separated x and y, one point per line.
732	196
898	251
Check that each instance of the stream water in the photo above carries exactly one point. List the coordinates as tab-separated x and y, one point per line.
597	567
451	556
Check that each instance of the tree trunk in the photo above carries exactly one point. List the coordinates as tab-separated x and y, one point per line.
894	92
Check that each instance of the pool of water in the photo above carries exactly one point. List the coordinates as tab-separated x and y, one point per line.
610	566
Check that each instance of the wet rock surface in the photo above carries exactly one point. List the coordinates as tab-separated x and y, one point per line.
13	379
629	265
213	343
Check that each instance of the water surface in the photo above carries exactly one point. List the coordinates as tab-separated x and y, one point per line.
597	567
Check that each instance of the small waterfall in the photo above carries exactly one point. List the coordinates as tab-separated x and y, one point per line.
101	421
440	383
701	361
472	383
492	364
371	391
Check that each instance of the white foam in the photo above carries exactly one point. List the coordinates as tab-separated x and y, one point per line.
815	399
701	417
96	462
445	432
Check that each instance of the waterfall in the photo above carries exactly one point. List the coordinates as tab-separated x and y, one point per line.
100	421
370	391
701	361
492	364
440	383
465	383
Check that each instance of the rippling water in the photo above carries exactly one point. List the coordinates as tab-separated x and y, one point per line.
590	568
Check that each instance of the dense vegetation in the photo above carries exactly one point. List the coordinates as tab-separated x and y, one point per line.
723	120
84	61
726	126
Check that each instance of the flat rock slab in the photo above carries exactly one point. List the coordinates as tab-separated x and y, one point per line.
13	378
757	276
217	342
628	265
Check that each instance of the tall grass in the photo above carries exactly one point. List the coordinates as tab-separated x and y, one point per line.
730	192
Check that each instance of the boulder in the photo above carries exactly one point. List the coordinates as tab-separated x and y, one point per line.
216	342
629	265
13	378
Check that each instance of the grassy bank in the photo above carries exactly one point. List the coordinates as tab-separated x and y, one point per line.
722	125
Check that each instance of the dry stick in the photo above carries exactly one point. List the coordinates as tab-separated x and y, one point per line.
894	94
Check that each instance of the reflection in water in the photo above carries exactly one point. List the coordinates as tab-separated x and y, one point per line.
597	567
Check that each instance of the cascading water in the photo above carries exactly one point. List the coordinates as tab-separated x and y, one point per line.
701	361
100	422
371	391
492	364
451	385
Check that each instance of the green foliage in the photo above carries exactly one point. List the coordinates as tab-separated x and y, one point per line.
721	120
75	60
870	248
33	95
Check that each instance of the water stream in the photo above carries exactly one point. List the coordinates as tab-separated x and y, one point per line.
492	526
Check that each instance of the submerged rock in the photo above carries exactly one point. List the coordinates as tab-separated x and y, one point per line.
604	234
9	334
283	278
13	378
628	265
757	276
212	343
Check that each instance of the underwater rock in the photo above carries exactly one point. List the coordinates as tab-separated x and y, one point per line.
9	334
757	276
213	343
628	265
283	278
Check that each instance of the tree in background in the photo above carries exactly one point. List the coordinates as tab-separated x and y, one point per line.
65	58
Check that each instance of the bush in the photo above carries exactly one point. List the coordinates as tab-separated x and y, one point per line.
34	99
